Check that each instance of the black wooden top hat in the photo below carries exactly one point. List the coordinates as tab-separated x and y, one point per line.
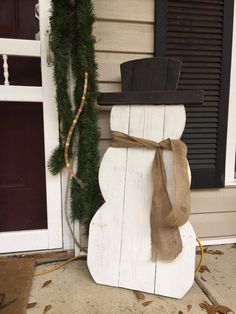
151	81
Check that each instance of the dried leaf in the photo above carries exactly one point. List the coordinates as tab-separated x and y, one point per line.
146	303
189	307
47	283
139	295
222	309
199	251
180	312
203	305
31	305
204	268
217	252
47	308
211	309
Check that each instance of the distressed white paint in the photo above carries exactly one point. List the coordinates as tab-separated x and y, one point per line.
119	243
135	259
52	237
175	279
5	70
106	224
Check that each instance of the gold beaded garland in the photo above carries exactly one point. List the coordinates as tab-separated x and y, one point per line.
69	165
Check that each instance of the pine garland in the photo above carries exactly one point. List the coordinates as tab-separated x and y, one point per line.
72	43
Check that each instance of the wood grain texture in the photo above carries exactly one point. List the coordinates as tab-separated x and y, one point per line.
106	226
216	201
109	64
180	272
109	87
214	224
123	37
151	97
128	10
136	237
119	245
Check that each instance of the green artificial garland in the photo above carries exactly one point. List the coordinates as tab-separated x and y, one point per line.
72	43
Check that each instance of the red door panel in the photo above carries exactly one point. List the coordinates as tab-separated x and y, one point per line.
22	167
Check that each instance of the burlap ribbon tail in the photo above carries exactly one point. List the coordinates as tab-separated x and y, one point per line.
165	218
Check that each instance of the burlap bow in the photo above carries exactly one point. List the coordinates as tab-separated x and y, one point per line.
165	218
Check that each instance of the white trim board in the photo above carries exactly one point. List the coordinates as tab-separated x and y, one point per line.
231	131
30	240
20	47
50	119
21	93
218	241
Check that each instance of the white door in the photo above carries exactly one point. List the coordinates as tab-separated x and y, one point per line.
50	236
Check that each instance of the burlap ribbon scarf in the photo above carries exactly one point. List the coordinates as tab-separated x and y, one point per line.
165	217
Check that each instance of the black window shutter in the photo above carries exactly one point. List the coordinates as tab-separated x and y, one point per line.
199	32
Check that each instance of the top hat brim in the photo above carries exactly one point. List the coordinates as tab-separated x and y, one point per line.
169	97
151	81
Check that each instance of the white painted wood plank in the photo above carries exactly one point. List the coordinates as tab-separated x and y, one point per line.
106	225
124	37
175	278
21	93
129	10
20	47
132	236
137	271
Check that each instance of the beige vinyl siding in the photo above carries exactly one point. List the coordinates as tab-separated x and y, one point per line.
124	30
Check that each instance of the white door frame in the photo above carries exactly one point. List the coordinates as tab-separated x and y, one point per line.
51	238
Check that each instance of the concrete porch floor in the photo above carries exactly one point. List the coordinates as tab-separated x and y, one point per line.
72	290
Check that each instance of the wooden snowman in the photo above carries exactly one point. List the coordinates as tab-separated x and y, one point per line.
119	250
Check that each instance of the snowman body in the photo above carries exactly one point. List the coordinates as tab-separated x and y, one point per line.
119	250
